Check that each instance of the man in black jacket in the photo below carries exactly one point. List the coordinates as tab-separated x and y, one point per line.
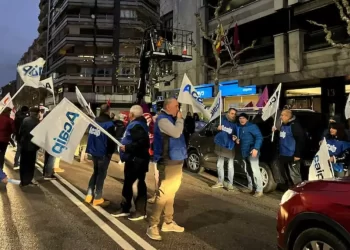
20	115
135	154
291	147
28	149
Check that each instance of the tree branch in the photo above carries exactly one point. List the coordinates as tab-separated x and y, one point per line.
342	14
328	37
201	26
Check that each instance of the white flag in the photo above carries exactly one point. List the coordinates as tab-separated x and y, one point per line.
31	72
5	100
47	84
320	167
272	104
216	108
61	131
189	95
83	102
347	108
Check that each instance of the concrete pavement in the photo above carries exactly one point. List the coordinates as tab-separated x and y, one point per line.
213	219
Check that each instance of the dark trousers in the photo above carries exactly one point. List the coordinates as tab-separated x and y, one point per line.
17	155
97	179
290	170
132	172
27	166
49	163
3	147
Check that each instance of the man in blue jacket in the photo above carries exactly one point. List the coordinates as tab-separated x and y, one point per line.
101	148
170	151
251	139
224	148
134	152
292	141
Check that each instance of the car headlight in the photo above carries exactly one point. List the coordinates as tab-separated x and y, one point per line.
289	194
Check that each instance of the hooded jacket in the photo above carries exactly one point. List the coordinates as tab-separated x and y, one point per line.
292	139
24	138
19	117
250	138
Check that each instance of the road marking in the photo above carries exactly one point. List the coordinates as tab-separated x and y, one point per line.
100	223
144	244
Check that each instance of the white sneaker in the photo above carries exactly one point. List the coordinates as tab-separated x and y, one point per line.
16	168
172	227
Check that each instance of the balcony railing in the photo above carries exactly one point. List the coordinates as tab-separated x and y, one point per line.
316	40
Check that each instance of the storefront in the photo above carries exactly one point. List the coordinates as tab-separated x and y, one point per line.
233	95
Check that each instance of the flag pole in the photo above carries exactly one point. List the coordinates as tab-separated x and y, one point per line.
220	106
13	97
54	99
278	103
98	126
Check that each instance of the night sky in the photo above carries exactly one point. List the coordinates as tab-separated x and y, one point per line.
18	28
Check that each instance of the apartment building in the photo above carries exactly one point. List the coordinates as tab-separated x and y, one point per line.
289	50
94	44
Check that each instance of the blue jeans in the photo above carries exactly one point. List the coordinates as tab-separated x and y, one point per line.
221	171
17	155
49	163
99	175
254	165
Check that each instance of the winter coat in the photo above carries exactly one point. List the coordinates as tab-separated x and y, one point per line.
7	128
250	138
25	137
292	139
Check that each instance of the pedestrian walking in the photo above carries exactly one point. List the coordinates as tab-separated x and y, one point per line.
28	149
291	147
169	154
224	148
250	140
20	116
134	152
7	128
101	148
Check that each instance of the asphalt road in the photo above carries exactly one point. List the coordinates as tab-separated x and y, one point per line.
53	216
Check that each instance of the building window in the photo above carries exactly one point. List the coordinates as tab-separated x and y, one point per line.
128	14
104	72
167	20
128	71
86	72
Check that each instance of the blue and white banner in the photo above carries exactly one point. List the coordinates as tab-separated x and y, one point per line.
61	131
320	167
31	72
216	108
189	95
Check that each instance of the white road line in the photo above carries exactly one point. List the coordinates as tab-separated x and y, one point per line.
144	244
107	229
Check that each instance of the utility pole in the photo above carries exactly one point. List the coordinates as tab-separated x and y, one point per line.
94	16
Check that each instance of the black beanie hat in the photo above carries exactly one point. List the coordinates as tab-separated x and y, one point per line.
243	115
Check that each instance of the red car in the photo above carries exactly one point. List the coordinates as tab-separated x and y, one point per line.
315	215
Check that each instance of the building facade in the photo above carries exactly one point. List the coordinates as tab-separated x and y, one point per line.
94	44
289	49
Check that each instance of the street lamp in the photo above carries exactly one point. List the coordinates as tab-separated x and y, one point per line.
94	17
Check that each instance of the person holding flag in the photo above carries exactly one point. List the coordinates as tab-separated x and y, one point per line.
101	148
224	148
338	148
291	147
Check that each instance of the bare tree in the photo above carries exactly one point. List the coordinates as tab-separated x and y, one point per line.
221	36
344	12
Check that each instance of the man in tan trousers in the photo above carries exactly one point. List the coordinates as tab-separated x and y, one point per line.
169	154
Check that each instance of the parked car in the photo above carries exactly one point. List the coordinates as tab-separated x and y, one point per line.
199	125
201	153
315	215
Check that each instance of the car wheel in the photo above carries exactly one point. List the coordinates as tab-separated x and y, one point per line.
269	183
193	162
317	238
